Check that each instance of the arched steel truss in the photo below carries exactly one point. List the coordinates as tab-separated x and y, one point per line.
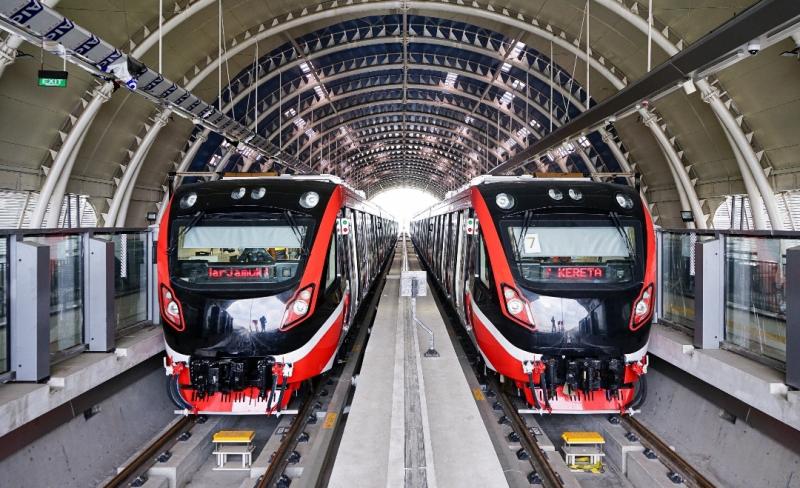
335	10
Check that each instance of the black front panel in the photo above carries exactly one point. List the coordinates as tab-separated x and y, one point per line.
580	264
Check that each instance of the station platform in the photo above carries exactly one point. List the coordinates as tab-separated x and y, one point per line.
413	420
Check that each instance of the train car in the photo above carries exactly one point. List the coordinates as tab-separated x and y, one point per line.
554	281
259	280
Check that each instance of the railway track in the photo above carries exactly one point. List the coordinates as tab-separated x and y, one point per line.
544	473
133	473
327	437
674	461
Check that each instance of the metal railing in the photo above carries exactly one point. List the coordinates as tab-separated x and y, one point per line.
72	290
744	295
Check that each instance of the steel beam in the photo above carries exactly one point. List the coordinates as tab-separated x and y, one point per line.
731	36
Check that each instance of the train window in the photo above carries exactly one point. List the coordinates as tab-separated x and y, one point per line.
331	277
222	251
483	266
555	250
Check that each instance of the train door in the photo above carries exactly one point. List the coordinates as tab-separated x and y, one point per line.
448	251
353	266
458	285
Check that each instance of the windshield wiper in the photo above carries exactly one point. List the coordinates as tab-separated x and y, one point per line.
196	218
297	232
618	224
526	223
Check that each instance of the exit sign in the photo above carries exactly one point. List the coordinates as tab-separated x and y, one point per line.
50	78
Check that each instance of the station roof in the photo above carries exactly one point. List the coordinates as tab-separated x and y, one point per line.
387	93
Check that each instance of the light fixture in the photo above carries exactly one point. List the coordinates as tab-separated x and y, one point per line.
188	200
624	201
309	199
238	193
575	194
687	216
504	201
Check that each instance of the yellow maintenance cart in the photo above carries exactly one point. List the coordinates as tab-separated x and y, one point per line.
583	451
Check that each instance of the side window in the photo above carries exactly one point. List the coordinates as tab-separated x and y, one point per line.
483	265
331	277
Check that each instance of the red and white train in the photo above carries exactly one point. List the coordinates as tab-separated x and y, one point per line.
554	280
259	280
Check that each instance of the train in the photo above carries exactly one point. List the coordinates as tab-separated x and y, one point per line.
259	280
553	280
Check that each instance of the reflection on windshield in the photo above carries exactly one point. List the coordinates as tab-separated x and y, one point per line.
579	252
265	252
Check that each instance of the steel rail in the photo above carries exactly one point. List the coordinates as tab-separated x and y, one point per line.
135	467
667	456
538	459
281	457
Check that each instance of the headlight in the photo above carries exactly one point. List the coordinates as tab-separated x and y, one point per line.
258	193
238	193
188	200
504	201
310	199
624	201
515	306
300	307
575	194
555	194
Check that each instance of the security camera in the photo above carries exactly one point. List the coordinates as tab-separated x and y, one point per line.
753	48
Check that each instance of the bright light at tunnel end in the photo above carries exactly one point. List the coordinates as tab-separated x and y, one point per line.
404	203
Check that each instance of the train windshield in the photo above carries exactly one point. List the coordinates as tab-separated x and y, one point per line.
222	251
570	250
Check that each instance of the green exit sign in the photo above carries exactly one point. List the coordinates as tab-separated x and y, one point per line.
50	78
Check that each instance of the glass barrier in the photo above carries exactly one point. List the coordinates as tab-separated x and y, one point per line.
677	281
755	278
66	290
4	366
130	275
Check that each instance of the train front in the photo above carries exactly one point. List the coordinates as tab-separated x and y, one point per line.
566	309
239	267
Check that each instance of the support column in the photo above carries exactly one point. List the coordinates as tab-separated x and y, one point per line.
682	182
711	96
793	317
55	183
29	266
709	296
223	162
100	322
118	210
